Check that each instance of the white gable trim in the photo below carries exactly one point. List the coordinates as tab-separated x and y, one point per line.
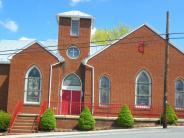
41	45
93	55
20	50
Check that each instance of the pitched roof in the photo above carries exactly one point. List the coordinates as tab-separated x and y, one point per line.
9	48
76	14
105	47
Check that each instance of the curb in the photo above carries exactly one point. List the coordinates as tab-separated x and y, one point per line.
78	133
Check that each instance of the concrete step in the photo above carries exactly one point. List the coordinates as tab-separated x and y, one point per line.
21	116
24	123
18	131
25	127
24	118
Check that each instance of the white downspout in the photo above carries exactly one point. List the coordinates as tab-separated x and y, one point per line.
93	92
50	81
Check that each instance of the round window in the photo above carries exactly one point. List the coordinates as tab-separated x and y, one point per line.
73	52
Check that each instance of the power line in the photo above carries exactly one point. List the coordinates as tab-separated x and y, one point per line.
100	41
4	52
176	38
60	49
176	33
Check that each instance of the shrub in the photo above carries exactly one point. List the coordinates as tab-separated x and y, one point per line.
170	115
48	121
86	120
125	118
4	120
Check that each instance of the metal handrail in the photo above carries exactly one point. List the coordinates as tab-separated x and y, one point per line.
18	109
42	110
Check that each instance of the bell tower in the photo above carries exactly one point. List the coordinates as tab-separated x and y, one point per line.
74	35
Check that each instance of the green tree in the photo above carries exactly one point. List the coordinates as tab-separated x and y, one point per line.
4	120
48	121
171	116
125	118
86	120
101	35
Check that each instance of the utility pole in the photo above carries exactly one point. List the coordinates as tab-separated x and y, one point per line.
166	69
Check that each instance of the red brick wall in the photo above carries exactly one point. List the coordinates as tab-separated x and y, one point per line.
72	123
82	42
21	63
19	67
4	81
56	88
122	62
176	71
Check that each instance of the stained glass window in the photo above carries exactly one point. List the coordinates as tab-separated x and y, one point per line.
33	86
73	52
104	90
143	89
179	96
71	80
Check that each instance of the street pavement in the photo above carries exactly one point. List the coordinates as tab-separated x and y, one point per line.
171	132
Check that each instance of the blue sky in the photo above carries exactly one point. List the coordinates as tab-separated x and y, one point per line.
37	18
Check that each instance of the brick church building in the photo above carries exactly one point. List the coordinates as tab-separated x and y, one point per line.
72	72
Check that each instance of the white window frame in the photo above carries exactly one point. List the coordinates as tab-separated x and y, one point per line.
100	104
150	90
72	88
25	86
176	107
73	46
71	28
78	88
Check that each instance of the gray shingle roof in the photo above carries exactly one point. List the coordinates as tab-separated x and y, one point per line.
77	14
9	48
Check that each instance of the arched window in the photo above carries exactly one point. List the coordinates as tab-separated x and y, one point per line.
143	89
104	90
179	96
72	82
32	86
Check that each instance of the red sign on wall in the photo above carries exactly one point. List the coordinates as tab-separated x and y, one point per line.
141	47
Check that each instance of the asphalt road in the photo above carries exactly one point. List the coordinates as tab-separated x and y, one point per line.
176	132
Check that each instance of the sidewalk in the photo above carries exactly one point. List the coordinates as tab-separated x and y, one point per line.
42	134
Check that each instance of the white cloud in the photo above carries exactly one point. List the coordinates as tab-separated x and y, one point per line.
74	2
26	38
10	25
1	4
93	30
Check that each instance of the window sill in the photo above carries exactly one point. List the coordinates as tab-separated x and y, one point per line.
137	107
75	36
31	104
103	106
179	109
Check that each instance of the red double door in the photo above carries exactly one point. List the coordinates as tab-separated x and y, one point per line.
71	102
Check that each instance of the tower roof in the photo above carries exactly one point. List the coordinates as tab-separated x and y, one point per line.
75	14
